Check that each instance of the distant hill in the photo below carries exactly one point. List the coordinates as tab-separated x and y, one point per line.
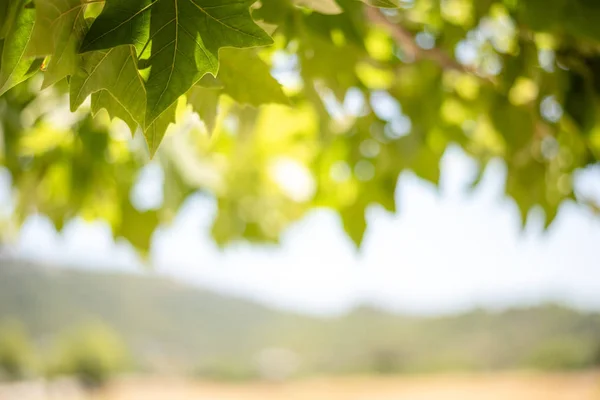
173	325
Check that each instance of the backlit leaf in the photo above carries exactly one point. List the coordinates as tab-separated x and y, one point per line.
181	40
115	71
155	132
382	3
322	6
16	66
105	100
204	102
247	79
60	26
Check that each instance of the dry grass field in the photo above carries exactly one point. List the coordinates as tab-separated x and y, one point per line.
506	386
509	386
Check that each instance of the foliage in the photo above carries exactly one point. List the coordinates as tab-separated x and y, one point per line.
561	354
362	94
93	353
16	353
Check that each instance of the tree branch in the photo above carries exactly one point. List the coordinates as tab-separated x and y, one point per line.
407	42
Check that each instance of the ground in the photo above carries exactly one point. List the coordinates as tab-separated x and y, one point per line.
513	386
504	386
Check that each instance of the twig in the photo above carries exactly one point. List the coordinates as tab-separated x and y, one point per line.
408	44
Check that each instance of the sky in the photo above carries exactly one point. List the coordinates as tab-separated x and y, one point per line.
447	249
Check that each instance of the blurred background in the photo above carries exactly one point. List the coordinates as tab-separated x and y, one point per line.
451	285
403	205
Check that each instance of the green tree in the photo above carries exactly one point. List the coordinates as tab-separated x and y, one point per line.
561	355
16	351
365	90
93	353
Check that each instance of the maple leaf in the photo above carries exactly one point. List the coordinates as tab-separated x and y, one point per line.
16	66
115	71
204	102
246	78
177	40
322	6
59	28
103	99
382	3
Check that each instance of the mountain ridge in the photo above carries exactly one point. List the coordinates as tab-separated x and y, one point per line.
196	329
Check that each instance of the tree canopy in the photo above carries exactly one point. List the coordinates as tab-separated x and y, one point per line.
277	107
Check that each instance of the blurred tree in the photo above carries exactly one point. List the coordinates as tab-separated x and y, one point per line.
310	104
16	352
596	357
93	353
561	355
386	361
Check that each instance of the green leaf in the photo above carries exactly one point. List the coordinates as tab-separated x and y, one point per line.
246	78
355	223
137	226
182	39
155	132
205	102
426	164
321	6
580	102
382	3
121	22
59	28
274	11
105	100
576	17
8	13
16	67
115	71
515	124
4	17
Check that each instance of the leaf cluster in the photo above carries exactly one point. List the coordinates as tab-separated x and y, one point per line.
335	97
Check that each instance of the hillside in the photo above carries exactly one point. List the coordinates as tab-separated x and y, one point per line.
171	325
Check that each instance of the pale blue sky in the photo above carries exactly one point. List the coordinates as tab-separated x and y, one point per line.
445	250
